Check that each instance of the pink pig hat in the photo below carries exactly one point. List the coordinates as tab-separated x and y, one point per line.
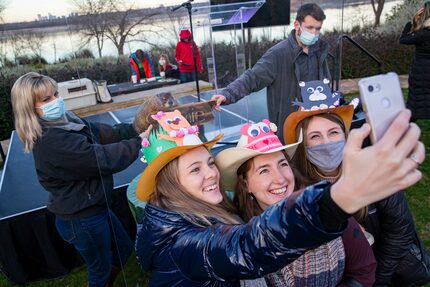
256	139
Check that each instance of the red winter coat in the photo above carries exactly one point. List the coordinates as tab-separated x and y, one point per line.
184	53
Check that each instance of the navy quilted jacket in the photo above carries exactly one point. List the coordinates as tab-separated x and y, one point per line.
178	253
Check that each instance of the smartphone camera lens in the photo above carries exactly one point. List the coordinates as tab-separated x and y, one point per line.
370	88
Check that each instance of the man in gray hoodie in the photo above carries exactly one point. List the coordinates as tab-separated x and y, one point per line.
301	57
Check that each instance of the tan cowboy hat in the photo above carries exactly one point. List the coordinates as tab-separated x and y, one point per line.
249	146
294	119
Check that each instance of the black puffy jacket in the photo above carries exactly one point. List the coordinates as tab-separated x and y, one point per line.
419	75
390	222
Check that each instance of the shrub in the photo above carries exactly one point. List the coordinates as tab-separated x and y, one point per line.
399	16
81	54
386	47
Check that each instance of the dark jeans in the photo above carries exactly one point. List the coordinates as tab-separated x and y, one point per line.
186	77
101	240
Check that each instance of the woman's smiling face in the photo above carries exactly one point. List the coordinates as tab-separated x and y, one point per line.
199	175
270	178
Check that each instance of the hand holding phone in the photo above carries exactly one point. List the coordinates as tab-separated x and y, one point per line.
382	100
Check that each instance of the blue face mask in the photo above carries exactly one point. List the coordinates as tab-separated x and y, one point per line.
307	38
326	157
53	110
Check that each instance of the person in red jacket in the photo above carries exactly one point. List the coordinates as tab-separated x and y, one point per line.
184	57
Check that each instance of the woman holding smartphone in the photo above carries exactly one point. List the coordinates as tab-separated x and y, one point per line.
388	223
191	236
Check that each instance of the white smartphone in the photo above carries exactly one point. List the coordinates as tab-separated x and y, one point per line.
382	100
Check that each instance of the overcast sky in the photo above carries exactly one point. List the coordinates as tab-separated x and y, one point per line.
27	10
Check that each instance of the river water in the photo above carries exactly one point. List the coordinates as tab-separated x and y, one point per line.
60	42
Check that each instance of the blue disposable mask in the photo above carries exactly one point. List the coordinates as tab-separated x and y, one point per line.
326	157
53	110
307	38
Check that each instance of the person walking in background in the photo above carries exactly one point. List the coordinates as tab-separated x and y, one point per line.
417	33
301	57
141	65
184	57
74	162
165	68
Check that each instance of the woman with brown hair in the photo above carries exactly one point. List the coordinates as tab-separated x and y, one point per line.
388	223
190	234
260	174
165	68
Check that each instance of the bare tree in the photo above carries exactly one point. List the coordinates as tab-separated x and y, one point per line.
125	22
176	21
93	20
378	6
3	5
17	44
34	42
3	53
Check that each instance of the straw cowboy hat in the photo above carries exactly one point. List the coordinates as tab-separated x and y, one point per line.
256	139
173	138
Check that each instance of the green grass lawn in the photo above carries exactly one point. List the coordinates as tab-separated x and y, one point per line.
419	202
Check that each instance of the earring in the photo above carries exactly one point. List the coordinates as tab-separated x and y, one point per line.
250	195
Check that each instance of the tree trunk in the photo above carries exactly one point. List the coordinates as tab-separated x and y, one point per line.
99	47
120	49
377	9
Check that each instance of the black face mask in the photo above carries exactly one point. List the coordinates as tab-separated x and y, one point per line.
186	40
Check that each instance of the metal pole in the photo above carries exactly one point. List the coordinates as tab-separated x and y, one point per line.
343	7
189	6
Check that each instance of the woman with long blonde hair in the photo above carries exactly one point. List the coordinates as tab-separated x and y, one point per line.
74	161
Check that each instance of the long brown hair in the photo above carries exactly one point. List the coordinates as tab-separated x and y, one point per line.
169	194
306	172
161	68
245	202
418	21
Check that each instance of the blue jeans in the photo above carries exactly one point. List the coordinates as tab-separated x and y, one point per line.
186	77
101	240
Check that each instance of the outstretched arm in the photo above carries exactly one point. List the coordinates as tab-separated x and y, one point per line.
260	76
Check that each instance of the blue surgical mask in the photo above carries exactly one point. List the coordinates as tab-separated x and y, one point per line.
307	38
326	157
53	110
